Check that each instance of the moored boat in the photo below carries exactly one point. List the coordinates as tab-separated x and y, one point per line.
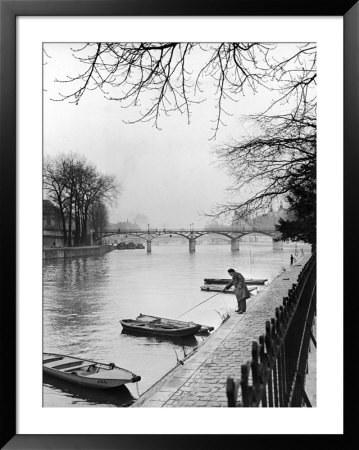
129	245
248	281
160	326
145	317
86	372
219	288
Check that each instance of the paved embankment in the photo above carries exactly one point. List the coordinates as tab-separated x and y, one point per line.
201	380
71	252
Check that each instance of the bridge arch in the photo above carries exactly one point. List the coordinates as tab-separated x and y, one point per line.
192	235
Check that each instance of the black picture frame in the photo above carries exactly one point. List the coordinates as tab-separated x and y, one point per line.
9	10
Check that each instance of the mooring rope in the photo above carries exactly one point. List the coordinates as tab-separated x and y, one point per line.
197	305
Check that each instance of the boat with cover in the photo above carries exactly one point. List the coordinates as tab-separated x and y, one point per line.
248	281
219	288
160	326
86	372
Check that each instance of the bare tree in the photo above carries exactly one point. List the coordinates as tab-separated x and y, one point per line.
277	158
93	189
75	185
159	78
98	215
55	185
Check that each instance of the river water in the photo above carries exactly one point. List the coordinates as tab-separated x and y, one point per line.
84	299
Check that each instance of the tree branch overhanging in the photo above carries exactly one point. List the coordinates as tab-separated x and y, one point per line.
161	78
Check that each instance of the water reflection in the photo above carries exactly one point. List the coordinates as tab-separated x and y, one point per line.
76	308
146	339
77	272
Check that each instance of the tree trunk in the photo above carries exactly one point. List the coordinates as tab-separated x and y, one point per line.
64	230
77	228
84	226
63	219
69	241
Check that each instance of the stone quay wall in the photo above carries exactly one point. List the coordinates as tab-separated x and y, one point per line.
72	252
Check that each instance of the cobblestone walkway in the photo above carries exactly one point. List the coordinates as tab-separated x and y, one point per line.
201	380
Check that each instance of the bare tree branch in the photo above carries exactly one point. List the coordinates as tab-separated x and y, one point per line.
156	77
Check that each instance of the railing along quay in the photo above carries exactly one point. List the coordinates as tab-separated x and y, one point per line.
275	375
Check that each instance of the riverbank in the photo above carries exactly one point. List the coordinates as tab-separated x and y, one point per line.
201	380
72	252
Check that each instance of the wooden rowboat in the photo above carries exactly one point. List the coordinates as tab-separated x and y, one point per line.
160	326
146	317
86	372
213	288
248	281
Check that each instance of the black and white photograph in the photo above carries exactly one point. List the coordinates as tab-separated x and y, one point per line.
179	212
179	235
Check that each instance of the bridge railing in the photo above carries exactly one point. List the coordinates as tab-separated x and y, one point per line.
230	231
275	375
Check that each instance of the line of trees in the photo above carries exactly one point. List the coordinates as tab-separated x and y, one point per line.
80	193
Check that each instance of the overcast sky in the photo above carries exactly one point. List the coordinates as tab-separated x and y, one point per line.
169	175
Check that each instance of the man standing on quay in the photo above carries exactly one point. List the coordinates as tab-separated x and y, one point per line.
240	289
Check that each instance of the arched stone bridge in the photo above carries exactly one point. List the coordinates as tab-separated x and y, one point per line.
233	234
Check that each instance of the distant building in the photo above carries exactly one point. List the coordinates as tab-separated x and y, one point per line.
242	224
51	218
266	221
51	225
52	228
123	226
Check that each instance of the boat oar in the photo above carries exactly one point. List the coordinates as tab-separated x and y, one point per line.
198	305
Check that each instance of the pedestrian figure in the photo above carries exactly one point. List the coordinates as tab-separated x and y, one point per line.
291	260
240	289
54	245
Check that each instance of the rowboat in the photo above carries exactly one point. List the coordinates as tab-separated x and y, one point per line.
145	317
248	281
213	288
160	326
86	372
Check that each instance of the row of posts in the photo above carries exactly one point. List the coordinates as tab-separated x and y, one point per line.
277	245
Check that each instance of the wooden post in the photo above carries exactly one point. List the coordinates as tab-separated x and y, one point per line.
255	372
263	372
270	359
232	391
244	385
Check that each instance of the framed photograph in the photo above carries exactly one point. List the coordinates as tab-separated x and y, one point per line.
119	125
